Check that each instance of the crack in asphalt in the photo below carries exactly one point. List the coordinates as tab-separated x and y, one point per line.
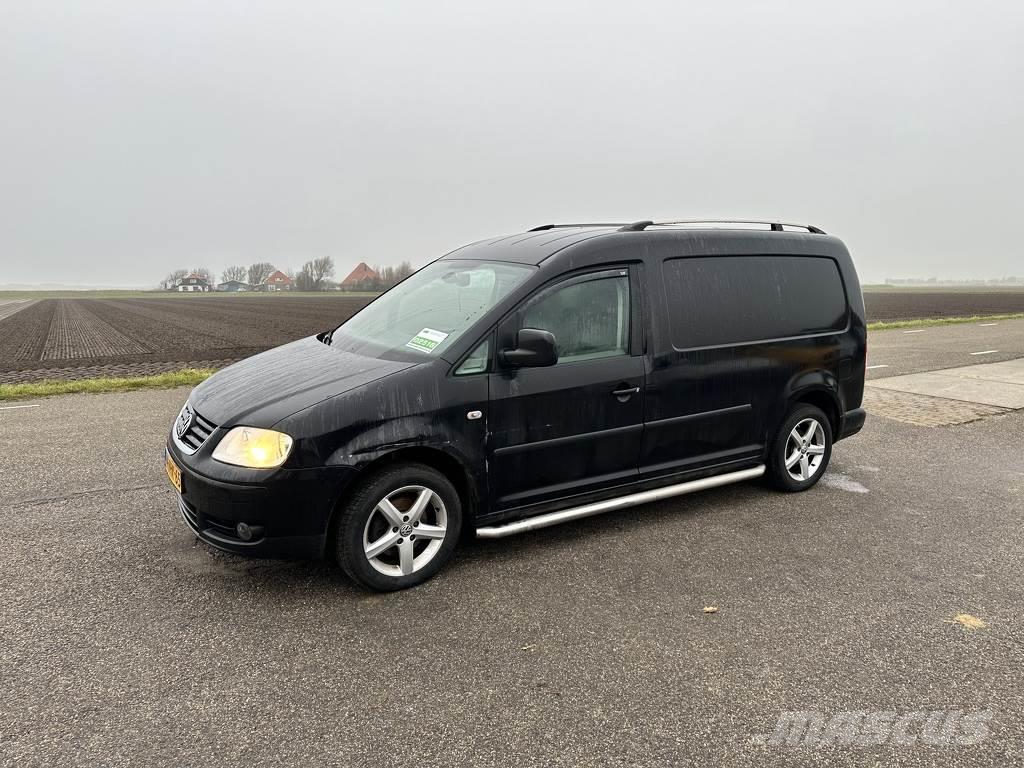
79	494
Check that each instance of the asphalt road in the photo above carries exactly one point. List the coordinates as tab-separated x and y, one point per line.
909	350
125	642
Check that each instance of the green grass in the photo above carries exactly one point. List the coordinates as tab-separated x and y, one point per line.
886	325
48	388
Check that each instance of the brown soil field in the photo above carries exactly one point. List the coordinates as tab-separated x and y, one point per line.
72	338
82	338
887	305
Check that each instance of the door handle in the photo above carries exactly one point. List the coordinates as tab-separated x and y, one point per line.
624	394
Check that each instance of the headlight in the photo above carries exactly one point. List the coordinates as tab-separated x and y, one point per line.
254	448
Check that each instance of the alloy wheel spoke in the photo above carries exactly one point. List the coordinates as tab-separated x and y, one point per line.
811	429
805	469
416	511
389	511
793	459
405	557
423	531
376	548
816	450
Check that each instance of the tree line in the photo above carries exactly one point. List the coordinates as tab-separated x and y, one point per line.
315	275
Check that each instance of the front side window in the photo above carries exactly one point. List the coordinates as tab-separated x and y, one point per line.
425	314
478	360
589	317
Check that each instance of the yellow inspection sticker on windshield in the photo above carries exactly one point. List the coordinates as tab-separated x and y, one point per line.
426	340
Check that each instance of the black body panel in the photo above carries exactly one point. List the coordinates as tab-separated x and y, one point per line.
517	442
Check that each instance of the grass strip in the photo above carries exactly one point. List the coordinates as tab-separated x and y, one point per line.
886	325
50	387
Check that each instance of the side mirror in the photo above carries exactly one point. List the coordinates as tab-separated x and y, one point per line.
534	349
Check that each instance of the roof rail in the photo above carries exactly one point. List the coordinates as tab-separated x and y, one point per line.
776	226
542	227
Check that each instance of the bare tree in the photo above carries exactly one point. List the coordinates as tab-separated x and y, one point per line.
320	269
304	278
402	271
259	272
233	274
173	278
204	273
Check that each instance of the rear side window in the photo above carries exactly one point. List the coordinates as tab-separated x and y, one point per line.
731	300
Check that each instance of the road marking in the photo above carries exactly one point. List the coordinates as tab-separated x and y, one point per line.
985	352
919	330
986	325
12	407
872	367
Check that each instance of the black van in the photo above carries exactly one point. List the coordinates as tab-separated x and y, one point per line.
530	380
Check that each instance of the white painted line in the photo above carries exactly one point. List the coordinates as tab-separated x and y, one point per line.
986	325
919	330
12	407
985	352
872	367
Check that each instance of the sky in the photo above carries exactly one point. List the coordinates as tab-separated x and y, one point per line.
139	137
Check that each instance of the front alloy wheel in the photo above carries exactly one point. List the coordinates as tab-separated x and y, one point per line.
398	528
405	530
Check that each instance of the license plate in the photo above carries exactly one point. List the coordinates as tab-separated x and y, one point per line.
173	473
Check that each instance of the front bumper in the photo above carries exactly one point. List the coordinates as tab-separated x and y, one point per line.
290	514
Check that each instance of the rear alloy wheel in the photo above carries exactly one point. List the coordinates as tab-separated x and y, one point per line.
399	528
801	450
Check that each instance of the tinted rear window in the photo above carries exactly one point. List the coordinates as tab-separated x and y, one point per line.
736	299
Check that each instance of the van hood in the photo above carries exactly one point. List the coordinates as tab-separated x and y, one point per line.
261	390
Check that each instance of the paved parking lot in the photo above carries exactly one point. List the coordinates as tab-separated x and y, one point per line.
124	642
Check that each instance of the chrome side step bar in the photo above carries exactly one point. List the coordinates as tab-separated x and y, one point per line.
632	500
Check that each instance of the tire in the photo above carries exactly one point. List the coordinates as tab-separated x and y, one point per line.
398	528
791	442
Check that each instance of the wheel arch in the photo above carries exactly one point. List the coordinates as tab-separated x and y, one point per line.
435	458
822	398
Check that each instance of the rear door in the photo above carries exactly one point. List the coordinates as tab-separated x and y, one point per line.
575	426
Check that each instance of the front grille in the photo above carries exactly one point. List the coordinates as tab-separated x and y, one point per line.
197	433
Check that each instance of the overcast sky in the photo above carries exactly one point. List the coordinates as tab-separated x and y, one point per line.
141	136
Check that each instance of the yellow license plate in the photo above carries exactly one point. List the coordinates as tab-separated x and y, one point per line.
173	472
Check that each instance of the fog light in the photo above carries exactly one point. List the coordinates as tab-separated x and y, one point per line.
244	532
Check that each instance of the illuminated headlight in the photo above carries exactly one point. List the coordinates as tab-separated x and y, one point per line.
254	448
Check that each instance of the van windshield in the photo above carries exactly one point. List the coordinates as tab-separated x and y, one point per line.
427	312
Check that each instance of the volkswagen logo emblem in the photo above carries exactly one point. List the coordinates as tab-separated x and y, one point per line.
405	530
184	421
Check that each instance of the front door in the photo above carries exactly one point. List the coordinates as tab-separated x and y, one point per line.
575	426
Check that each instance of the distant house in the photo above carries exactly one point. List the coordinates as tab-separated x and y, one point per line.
360	276
278	281
233	286
193	282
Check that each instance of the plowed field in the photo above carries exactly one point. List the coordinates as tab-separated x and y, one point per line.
72	338
80	338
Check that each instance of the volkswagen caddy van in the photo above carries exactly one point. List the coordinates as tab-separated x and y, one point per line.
526	381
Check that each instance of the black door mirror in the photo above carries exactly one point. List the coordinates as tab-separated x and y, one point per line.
534	349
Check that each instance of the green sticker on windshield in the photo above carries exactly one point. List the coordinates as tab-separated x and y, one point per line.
426	340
